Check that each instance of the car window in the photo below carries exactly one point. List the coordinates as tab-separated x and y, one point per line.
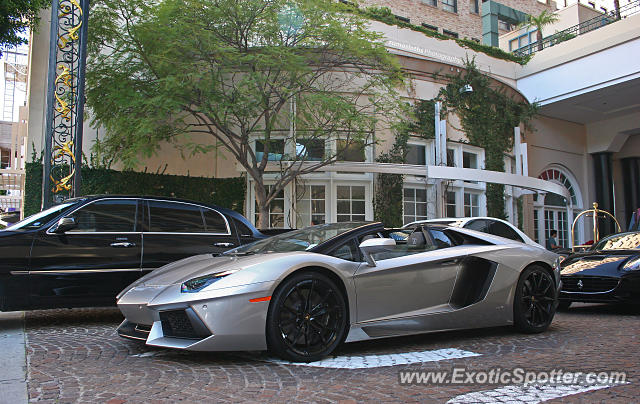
502	230
175	217
113	215
477	224
408	242
440	239
214	221
347	251
242	228
41	218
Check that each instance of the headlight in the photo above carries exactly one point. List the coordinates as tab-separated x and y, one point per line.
632	264
197	284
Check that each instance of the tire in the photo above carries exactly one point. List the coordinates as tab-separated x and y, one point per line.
534	300
564	305
307	318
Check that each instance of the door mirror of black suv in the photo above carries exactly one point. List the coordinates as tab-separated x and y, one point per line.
65	224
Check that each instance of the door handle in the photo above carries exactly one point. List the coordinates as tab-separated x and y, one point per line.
223	245
122	244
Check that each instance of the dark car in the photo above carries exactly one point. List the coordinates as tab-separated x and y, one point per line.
84	251
609	272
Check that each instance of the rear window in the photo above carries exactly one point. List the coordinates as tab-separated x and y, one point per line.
174	217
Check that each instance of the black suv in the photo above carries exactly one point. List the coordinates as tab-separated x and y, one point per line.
84	251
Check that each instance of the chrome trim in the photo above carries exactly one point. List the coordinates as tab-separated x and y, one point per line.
81	271
132	337
19	272
190	234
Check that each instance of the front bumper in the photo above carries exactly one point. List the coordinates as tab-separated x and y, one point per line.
601	289
221	321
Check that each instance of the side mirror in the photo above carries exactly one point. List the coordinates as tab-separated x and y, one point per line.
374	245
65	224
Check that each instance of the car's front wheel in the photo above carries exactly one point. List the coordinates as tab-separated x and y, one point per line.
534	301
307	317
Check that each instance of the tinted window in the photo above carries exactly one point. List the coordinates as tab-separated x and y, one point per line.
242	228
106	216
175	217
478	225
214	221
38	219
502	230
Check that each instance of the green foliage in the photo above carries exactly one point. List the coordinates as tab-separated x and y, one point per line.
388	195
384	15
236	70
15	17
488	116
226	192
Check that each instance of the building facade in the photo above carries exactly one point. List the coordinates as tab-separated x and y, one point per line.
557	168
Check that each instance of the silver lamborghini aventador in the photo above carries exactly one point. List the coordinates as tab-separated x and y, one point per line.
302	293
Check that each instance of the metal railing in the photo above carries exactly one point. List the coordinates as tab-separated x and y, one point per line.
582	28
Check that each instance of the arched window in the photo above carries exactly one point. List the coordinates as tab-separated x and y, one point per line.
554	212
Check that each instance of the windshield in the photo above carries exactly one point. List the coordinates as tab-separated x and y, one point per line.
296	240
627	241
39	219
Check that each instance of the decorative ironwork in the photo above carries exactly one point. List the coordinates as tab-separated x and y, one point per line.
65	101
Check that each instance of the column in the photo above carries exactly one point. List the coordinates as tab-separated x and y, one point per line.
631	182
604	189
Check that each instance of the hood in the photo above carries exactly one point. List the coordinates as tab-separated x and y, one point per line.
199	265
595	264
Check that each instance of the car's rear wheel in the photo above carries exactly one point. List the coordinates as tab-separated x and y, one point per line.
307	317
534	301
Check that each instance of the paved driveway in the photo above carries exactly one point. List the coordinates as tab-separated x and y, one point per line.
76	356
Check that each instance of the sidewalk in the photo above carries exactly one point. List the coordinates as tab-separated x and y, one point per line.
13	385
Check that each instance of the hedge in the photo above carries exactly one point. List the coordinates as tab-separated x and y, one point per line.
226	192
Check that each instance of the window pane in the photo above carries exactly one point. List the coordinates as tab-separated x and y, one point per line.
175	217
106	216
276	149
214	222
416	154
450	5
311	205
310	149
478	225
469	160
350	151
351	203
451	204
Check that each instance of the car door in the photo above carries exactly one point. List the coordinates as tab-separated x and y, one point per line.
90	263
178	230
408	281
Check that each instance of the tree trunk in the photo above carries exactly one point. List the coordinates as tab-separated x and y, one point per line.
539	38
262	207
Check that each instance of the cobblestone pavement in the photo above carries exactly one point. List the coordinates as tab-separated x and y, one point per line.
76	356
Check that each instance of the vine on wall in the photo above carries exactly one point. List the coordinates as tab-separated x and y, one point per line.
388	198
488	115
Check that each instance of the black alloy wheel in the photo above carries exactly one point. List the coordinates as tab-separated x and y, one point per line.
534	302
307	318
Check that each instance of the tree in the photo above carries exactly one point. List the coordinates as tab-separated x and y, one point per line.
15	17
542	20
293	77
